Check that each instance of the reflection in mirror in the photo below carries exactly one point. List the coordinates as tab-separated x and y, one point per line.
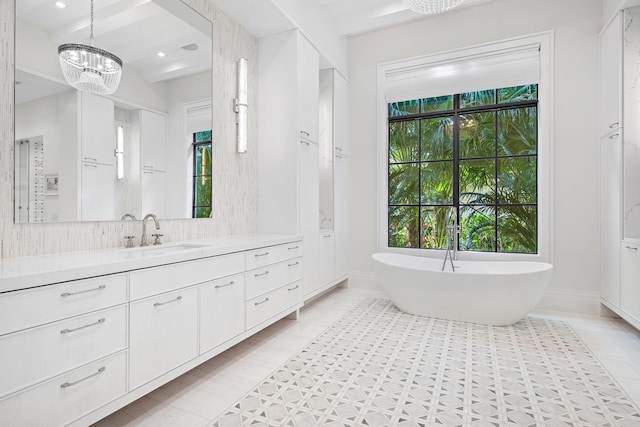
82	157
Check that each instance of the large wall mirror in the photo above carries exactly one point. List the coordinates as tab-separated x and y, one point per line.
144	149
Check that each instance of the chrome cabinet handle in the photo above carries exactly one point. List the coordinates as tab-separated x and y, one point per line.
338	149
303	132
224	286
294	288
91	158
294	264
261	274
294	248
69	384
100	321
69	294
631	248
261	255
90	166
261	302
147	167
326	236
158	304
614	135
612	125
305	142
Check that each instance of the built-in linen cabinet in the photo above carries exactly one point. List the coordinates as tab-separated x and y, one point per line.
153	131
97	129
630	282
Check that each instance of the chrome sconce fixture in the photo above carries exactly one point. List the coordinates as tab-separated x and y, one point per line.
240	106
119	152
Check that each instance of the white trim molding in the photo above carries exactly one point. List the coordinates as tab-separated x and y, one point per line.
545	141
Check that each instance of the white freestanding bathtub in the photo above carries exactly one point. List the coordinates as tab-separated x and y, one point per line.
487	292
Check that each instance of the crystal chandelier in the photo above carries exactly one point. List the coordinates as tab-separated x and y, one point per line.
88	68
432	7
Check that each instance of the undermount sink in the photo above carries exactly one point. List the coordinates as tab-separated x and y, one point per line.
162	250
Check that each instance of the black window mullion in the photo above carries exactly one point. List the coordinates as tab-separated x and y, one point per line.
495	201
456	159
420	182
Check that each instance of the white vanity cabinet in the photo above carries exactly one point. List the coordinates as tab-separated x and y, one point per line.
63	350
81	349
153	135
221	311
164	334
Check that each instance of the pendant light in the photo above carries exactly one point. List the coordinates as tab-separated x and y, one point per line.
88	68
432	7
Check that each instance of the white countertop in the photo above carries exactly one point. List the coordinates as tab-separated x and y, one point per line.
30	272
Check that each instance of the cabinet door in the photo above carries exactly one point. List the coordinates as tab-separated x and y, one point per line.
610	218
153	135
154	192
97	129
341	114
308	62
308	207
163	334
222	307
630	278
326	263
341	215
610	76
97	192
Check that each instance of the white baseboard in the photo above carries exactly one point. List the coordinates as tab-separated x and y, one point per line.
570	301
557	300
364	280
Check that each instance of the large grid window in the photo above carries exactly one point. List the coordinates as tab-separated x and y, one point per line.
202	175
474	153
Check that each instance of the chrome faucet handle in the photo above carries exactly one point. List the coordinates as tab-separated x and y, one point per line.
157	240
128	241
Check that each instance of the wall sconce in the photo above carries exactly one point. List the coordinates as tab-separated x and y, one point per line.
240	106
120	152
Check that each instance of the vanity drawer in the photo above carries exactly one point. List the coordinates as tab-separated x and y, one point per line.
156	280
32	307
273	254
30	356
270	277
264	307
67	397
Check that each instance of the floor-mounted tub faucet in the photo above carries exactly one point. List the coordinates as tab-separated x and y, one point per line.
143	240
453	235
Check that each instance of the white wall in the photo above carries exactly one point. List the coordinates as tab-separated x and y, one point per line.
576	24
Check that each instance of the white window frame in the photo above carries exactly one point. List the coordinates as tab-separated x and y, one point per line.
545	146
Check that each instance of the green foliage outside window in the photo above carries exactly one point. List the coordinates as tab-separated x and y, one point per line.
475	153
202	174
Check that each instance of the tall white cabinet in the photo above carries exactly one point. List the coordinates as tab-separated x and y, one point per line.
153	135
97	160
288	200
619	133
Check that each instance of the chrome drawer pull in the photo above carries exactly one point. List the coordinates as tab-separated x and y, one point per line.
68	294
262	302
631	248
615	135
612	125
294	288
261	274
158	304
302	132
294	248
66	331
91	158
261	255
294	264
67	384
224	286
326	236
305	142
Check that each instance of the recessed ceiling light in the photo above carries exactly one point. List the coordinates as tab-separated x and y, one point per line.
161	54
60	4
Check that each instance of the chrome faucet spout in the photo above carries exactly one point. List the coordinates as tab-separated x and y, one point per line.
143	239
128	215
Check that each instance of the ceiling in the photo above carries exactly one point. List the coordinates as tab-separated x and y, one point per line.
133	30
350	17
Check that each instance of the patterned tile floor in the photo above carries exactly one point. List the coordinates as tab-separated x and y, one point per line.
207	392
378	366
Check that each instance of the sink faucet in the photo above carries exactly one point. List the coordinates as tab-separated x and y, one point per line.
143	240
